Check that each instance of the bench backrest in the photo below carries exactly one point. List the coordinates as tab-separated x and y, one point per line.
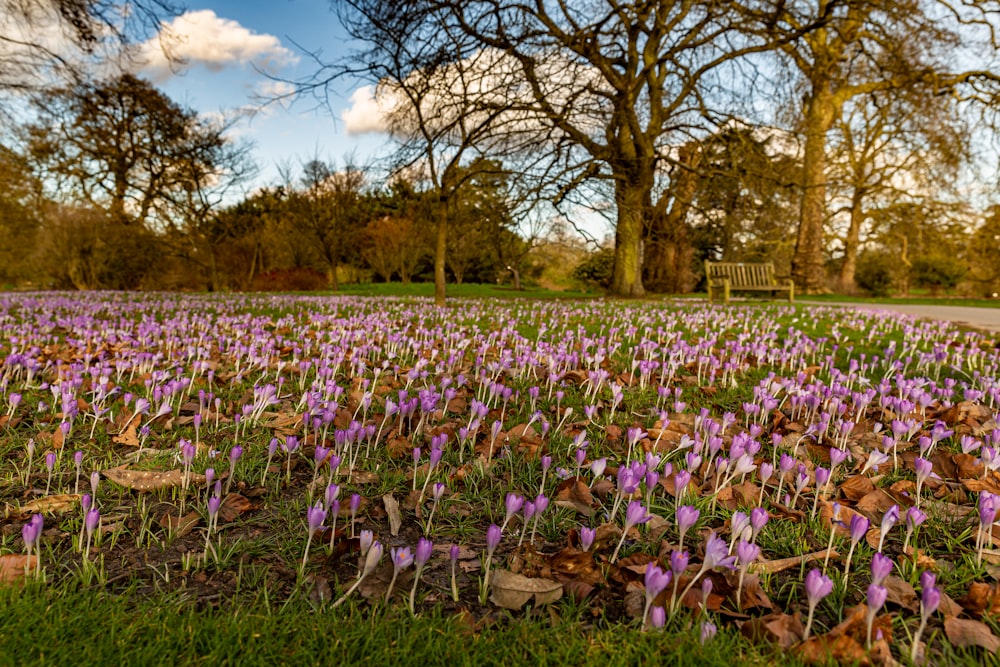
740	274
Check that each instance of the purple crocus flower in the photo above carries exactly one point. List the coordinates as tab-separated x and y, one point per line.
889	520
717	554
876	598
681	480
930	594
453	554
635	514
655	580
881	568
214	503
493	536
686	517
31	531
758	519
708	632
818	586
930	598
402	558
423	552
657	617
587	536
512	503
315	516
679	562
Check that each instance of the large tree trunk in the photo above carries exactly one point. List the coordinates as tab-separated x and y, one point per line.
213	269
668	251
808	270
440	251
626	279
850	265
331	276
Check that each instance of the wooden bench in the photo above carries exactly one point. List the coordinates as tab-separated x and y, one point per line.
741	277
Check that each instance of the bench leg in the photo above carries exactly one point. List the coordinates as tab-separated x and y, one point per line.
725	290
791	293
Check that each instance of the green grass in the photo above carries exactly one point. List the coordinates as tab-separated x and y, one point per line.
148	605
903	301
78	627
462	291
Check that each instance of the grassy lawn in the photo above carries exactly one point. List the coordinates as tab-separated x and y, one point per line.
911	300
292	479
460	291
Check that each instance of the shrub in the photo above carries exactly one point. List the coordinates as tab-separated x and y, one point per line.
874	273
300	279
596	269
937	272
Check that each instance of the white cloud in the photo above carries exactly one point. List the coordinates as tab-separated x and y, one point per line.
202	38
462	93
367	115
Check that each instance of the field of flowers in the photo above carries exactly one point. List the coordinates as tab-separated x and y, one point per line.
815	480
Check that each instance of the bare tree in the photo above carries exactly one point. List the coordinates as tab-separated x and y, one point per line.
618	87
327	207
901	146
430	80
54	41
123	148
863	47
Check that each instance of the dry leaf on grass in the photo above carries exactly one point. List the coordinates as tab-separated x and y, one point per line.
55	504
842	526
12	567
392	509
875	504
784	630
363	477
129	435
772	566
842	649
575	494
967	632
234	505
901	593
513	591
150	480
179	526
981	598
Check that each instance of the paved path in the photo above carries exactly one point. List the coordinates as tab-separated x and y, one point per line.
980	318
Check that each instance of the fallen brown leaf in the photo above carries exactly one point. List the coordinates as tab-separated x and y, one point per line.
901	593
180	526
967	632
12	567
129	435
772	566
875	504
574	493
150	480
785	630
56	504
233	505
363	477
823	649
513	591
392	509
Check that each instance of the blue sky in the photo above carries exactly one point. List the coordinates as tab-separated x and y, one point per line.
222	41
